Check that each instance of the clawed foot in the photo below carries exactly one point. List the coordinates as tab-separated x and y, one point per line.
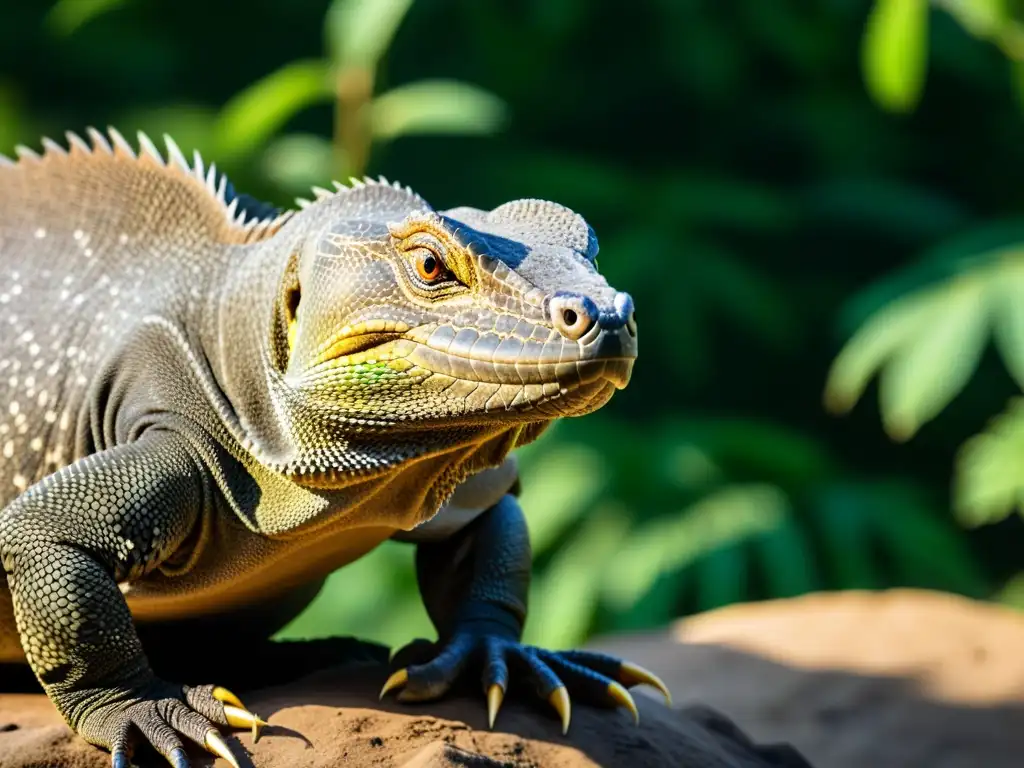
594	678
160	714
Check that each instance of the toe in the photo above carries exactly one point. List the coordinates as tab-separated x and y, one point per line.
494	678
559	699
495	695
544	680
158	733
223	707
215	744
624	672
418	651
589	685
433	679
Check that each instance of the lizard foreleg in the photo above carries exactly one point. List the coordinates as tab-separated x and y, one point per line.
474	585
65	544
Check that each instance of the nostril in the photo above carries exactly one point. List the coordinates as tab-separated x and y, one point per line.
572	315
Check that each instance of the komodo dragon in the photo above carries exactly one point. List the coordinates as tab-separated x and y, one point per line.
206	404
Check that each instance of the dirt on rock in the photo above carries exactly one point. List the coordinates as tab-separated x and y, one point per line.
334	719
895	679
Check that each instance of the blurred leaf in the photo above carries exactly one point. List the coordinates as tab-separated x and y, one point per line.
928	344
560	490
359	32
386	576
69	15
931	369
741	447
970	250
1007	290
991	20
1012	593
873	344
722	518
988	481
190	125
894	54
979	17
299	161
564	597
12	129
435	106
252	116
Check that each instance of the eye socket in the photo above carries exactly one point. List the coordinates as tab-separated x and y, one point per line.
429	266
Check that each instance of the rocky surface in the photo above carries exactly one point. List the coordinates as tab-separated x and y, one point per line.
894	679
333	719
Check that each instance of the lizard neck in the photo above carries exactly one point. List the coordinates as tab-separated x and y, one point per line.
236	338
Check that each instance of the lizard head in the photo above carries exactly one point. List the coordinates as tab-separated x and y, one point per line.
399	332
401	317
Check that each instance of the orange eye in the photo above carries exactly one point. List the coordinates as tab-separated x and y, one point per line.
429	266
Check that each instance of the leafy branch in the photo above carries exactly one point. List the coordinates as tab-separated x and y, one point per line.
924	335
358	34
894	48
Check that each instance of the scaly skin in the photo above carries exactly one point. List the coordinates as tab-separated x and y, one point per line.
207	405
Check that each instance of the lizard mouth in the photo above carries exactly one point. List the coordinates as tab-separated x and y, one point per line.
606	355
464	372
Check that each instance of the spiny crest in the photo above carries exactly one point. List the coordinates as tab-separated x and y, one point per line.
254	219
372	198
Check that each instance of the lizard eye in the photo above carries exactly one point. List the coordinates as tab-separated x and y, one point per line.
429	266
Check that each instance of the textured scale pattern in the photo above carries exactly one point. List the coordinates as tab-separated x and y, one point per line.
206	403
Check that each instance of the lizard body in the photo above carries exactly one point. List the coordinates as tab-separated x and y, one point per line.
209	404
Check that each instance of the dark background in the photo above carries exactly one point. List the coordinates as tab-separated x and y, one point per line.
747	187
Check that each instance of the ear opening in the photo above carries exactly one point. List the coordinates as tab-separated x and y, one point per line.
286	314
292	297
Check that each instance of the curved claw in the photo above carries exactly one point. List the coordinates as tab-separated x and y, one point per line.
224	696
119	759
623	699
215	743
634	674
179	759
559	699
397	679
495	695
243	718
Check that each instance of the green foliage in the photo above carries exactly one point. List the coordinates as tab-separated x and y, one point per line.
358	33
894	49
68	15
895	52
257	113
927	339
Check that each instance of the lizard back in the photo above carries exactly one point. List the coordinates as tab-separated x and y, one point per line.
93	239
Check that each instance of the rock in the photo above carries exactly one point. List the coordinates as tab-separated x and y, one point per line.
333	718
883	679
